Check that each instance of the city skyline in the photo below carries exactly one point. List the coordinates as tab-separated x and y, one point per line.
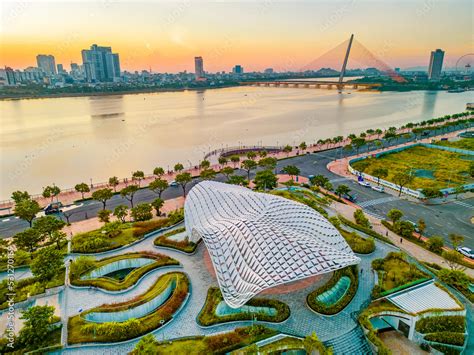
274	34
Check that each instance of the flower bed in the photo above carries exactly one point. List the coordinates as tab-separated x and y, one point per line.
83	266
82	331
183	245
208	315
343	301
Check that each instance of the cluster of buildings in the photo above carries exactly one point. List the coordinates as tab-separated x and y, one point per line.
101	67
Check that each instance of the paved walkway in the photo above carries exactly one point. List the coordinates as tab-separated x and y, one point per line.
302	321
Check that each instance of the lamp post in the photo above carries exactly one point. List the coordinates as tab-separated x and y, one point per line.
162	321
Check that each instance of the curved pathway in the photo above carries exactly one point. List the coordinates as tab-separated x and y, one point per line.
302	321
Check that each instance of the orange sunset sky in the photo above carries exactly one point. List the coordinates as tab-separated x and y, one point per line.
166	35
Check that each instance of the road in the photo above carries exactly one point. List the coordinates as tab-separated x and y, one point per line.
452	217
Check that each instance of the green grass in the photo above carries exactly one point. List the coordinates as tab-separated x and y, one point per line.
395	273
464	143
30	286
183	245
82	331
448	168
305	197
208	316
117	285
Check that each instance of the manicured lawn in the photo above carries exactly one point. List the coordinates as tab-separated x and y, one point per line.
464	143
82	331
394	272
432	168
208	315
113	284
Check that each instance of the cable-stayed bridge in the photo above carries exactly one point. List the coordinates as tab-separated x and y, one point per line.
352	49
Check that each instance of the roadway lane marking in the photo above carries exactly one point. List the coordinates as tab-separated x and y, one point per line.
464	204
377	201
374	214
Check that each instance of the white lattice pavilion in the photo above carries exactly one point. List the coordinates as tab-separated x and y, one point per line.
258	240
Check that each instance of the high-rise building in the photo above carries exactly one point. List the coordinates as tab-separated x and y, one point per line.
436	64
100	64
60	69
268	71
46	63
198	67
238	69
10	76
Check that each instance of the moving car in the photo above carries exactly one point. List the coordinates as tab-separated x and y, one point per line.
54	207
351	198
466	252
378	188
415	226
173	183
364	183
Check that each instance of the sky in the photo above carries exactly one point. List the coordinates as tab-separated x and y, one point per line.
285	35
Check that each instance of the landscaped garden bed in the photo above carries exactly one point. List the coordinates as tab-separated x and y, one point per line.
115	234
82	331
28	287
82	267
464	143
336	294
357	243
305	197
215	310
363	229
395	274
454	278
214	344
184	245
432	168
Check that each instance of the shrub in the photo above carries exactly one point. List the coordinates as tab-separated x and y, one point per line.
446	338
441	324
183	245
357	243
435	244
361	219
446	350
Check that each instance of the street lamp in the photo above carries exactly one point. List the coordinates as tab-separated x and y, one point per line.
162	321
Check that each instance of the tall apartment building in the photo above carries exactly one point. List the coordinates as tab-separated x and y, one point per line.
436	64
198	67
100	64
46	63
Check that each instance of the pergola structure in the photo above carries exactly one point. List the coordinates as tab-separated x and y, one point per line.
257	240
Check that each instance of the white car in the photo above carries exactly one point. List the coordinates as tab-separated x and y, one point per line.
378	188
173	183
364	183
466	252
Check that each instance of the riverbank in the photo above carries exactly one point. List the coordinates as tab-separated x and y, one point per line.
110	93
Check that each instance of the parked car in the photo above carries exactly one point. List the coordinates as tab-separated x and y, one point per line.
466	252
415	226
351	198
173	183
378	188
54	207
364	183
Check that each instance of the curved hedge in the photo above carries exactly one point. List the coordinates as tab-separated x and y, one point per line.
208	316
351	272
82	331
110	284
451	338
441	324
183	245
357	243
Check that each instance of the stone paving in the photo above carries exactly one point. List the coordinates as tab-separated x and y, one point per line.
302	321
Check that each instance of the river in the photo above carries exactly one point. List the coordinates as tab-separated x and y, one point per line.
75	139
